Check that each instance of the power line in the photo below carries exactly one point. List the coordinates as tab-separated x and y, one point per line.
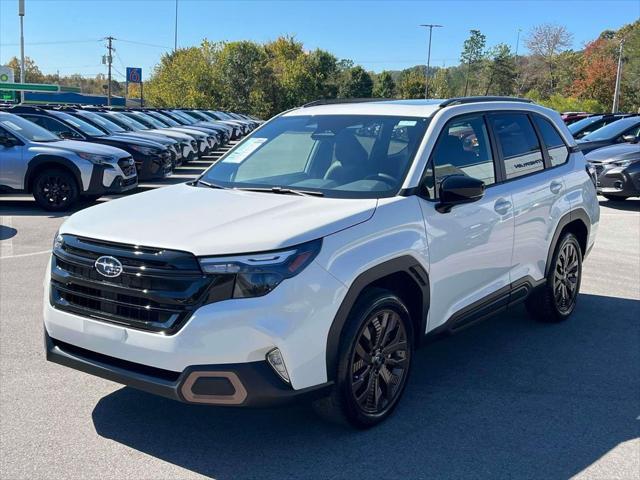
58	42
145	44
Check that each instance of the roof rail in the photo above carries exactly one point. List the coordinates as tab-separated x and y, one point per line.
337	101
463	100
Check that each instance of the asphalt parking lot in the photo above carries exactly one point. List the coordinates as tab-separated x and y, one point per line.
508	398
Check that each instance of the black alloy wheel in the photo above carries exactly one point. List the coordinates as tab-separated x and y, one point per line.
55	190
379	362
565	278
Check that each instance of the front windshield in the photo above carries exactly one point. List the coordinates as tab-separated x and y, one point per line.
166	121
184	117
108	125
346	156
580	124
26	129
149	119
81	125
128	121
612	130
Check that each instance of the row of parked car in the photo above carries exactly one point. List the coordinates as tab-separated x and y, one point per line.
63	153
611	145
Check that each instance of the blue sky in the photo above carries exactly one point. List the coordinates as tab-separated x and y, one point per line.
64	35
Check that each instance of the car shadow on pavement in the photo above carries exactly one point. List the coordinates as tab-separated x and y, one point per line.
628	205
506	398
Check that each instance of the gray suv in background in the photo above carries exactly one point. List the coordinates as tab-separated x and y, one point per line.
59	172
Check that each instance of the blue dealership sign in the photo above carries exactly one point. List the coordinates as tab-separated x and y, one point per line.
134	75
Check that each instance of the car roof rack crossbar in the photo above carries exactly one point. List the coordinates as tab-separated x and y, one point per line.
478	99
337	101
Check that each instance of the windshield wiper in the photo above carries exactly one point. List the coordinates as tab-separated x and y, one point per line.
207	184
283	191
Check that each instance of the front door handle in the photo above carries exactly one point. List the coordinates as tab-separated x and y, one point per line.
555	187
502	206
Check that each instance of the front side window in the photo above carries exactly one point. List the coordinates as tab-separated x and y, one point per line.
53	125
558	151
462	148
521	152
347	156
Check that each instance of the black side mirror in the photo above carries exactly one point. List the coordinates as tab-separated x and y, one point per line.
8	142
68	135
459	189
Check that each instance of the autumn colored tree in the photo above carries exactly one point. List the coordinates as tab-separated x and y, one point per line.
596	75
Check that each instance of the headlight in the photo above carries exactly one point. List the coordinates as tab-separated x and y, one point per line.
145	150
58	240
97	159
626	163
257	274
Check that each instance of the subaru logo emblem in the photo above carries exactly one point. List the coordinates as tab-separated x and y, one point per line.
108	266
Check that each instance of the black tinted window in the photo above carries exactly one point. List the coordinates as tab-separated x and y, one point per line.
520	147
558	151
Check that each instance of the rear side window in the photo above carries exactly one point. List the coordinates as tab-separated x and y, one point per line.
462	149
558	151
518	141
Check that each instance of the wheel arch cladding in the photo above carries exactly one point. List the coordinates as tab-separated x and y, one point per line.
41	162
405	277
576	222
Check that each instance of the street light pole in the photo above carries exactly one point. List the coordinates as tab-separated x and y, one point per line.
616	93
175	30
21	14
430	26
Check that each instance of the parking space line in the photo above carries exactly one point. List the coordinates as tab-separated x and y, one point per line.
2	257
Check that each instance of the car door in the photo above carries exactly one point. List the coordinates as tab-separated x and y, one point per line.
470	247
537	188
13	168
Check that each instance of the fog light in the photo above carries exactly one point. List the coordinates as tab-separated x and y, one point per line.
274	357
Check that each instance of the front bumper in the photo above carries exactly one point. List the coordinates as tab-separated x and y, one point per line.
110	179
252	384
151	167
620	181
295	318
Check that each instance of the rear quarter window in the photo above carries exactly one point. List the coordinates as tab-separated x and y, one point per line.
558	151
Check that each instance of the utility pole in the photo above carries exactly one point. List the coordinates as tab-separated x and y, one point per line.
109	61
175	31
516	61
22	73
616	93
430	26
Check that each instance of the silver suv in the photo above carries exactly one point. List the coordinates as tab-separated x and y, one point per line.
58	172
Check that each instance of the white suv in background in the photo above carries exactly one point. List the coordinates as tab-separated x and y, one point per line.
318	254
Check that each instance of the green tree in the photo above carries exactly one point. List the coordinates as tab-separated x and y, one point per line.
357	83
472	54
501	71
440	84
384	86
411	83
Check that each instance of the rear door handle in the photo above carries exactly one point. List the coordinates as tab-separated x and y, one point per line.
502	206
555	187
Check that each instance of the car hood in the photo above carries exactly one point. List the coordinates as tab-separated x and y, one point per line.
140	136
208	221
81	147
614	153
172	134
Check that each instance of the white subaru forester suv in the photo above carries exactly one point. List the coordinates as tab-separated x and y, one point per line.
319	253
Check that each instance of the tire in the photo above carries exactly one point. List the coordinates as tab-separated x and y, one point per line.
613	198
556	300
361	396
55	189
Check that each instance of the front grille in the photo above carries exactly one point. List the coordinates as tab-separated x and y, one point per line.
127	166
157	290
